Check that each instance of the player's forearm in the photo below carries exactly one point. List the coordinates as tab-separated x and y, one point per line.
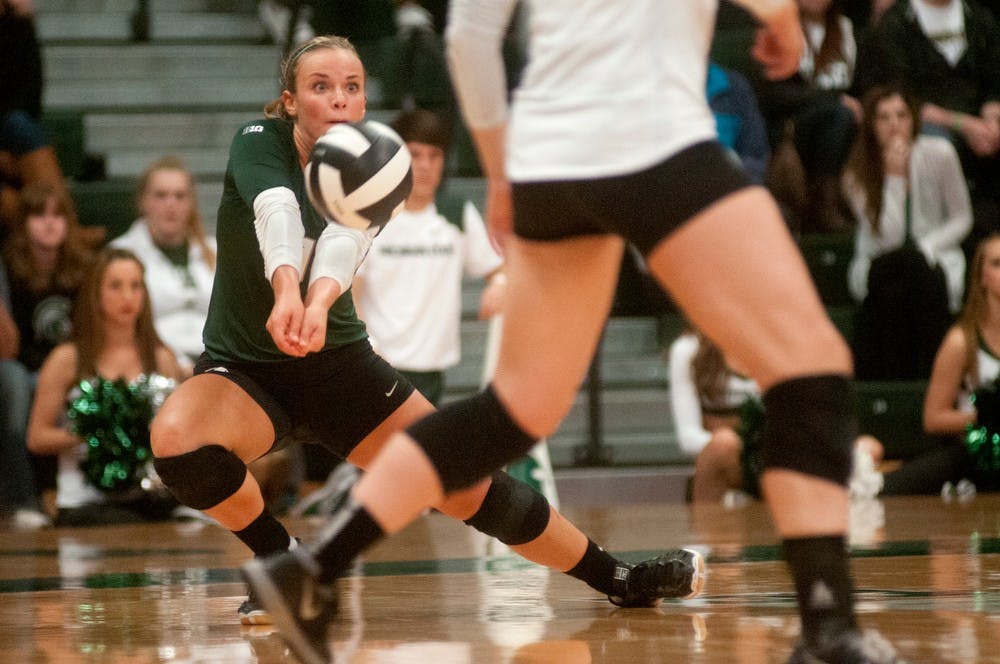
323	293
285	282
474	38
490	148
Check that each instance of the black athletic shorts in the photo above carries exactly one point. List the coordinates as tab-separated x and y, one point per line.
335	397
642	207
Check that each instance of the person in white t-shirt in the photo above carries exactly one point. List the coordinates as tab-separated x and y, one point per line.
409	288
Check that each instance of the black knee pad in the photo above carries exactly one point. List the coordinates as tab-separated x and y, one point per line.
470	439
810	426
202	478
512	511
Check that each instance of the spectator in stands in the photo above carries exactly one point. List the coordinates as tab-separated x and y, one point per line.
948	53
738	119
170	240
19	504
864	14
420	74
409	288
812	118
46	261
113	338
908	270
26	156
967	362
718	415
286	21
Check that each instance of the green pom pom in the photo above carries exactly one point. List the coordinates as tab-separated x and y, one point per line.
982	439
113	417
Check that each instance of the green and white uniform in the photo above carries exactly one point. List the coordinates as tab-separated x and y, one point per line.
262	157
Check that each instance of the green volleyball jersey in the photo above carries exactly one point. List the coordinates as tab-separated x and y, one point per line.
262	156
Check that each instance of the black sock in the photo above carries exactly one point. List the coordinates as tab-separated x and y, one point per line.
819	566
351	531
598	569
265	535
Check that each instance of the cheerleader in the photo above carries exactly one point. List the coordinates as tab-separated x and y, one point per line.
961	406
113	339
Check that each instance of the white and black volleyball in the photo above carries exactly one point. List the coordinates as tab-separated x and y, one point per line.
359	174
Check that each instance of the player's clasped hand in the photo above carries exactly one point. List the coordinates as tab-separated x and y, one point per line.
285	323
312	335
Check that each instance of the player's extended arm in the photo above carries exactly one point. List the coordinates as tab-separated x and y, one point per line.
338	253
278	223
474	40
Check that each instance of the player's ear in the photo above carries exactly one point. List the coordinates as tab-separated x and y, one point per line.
288	100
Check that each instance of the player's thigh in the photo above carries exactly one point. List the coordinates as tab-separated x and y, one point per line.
736	272
208	409
557	301
415	407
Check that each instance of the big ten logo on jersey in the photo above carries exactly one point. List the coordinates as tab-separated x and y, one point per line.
253	129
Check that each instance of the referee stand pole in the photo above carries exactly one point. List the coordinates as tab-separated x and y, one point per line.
536	467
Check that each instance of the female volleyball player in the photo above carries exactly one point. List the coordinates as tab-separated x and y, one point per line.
610	138
284	350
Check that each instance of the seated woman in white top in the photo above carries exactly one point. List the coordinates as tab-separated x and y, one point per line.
718	415
912	204
706	396
895	173
170	239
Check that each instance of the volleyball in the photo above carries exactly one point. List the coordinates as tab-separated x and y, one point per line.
358	174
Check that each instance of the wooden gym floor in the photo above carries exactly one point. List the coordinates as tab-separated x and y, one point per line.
927	572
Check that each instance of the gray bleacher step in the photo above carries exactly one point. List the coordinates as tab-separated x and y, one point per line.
115	25
616	372
568	450
112	25
611	487
209	91
206	25
235	6
130	141
43	7
144	61
203	162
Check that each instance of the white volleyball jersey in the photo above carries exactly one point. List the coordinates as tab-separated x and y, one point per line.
611	86
411	296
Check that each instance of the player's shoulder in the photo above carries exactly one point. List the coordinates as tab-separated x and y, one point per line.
263	128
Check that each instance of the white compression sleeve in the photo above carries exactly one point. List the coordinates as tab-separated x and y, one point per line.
473	37
278	222
339	252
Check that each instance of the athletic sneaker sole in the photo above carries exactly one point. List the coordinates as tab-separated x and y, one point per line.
255	574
